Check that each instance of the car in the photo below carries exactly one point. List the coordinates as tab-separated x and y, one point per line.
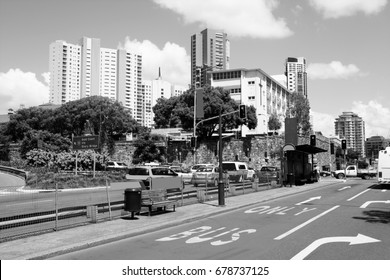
113	165
267	173
197	166
206	175
238	171
145	172
186	174
324	173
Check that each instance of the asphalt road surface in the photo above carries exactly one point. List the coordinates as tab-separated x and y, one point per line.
345	221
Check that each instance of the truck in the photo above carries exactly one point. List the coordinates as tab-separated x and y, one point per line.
354	171
384	166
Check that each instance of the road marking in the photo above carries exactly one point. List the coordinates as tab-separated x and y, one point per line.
358	195
310	199
377	201
353	240
344	188
305	223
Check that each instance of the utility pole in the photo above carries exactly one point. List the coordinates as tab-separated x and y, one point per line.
221	185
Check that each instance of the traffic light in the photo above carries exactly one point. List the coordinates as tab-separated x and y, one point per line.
332	148
344	144
193	139
312	140
242	112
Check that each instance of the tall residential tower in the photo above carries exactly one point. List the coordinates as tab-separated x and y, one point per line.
296	75
210	50
350	126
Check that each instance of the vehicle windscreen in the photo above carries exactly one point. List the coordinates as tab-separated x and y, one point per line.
205	169
163	171
138	171
229	166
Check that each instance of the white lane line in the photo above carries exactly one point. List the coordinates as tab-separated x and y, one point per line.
358	195
305	223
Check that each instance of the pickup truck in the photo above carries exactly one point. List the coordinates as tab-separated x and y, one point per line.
353	171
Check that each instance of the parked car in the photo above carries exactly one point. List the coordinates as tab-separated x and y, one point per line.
267	174
237	171
113	165
197	166
206	175
324	173
186	174
145	173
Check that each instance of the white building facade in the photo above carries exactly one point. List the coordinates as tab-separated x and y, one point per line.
254	88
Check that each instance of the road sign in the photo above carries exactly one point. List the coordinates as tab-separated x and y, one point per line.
85	142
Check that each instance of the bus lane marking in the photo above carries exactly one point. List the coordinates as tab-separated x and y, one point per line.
305	223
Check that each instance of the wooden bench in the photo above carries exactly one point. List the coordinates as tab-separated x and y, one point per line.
156	199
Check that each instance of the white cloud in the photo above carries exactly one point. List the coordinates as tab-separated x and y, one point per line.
343	8
18	87
172	58
332	70
323	122
375	116
238	18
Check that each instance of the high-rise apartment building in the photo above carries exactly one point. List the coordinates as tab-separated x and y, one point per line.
65	72
155	89
210	50
87	69
350	126
296	75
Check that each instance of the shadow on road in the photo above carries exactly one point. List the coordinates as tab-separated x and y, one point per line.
380	187
375	216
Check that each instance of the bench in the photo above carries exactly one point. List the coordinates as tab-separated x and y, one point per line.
156	199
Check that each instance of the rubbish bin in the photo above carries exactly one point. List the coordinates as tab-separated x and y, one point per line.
291	179
133	200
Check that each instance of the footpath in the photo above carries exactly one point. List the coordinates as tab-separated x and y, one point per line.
56	243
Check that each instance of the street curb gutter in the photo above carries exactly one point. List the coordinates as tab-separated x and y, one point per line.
148	228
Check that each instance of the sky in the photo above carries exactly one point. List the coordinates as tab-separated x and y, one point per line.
346	44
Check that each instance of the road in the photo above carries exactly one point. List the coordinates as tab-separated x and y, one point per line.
345	221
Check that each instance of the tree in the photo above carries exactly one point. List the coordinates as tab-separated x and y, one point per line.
298	106
146	148
274	122
179	111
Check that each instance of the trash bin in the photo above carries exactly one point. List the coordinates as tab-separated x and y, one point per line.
291	179
133	200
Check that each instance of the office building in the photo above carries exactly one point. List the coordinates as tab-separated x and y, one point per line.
350	126
374	144
210	50
296	75
254	88
87	69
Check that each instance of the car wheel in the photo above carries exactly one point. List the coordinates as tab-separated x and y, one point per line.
195	185
340	176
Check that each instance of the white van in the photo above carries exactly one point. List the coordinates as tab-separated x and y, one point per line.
384	166
237	171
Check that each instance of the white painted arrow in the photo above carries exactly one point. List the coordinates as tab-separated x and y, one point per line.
310	199
343	188
378	201
353	240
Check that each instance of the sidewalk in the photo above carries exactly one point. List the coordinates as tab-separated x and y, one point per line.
78	238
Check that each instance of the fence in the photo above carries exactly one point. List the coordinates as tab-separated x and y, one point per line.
26	212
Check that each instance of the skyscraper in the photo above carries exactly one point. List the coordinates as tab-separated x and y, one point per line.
84	70
350	126
210	50
296	75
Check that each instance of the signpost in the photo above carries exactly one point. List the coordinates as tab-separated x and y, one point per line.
86	143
